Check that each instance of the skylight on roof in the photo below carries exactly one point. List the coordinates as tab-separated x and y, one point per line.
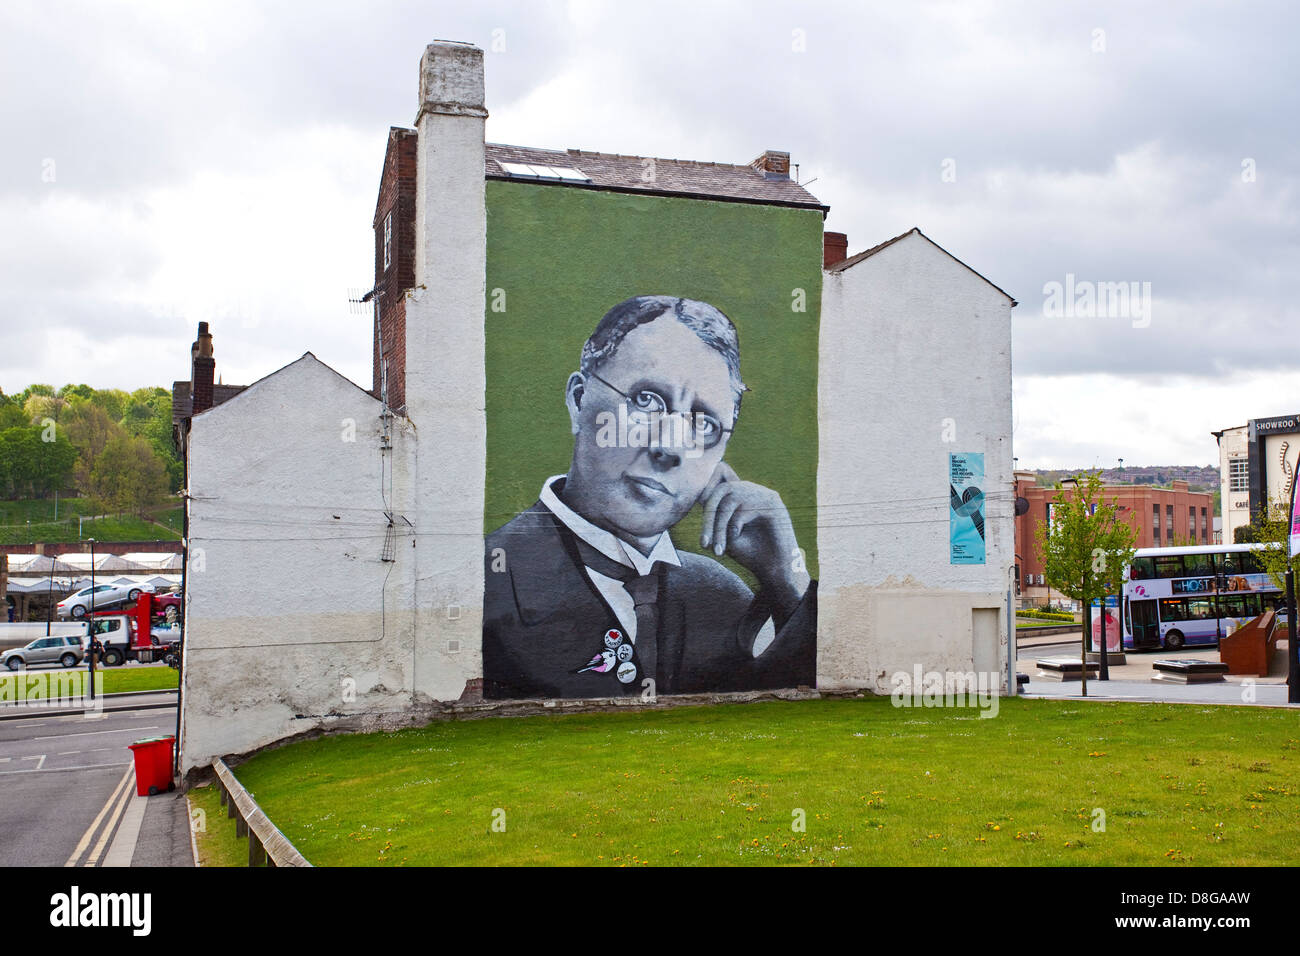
538	171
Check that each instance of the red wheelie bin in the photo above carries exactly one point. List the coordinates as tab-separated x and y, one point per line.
153	765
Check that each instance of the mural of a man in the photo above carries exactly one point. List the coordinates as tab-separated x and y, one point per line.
586	595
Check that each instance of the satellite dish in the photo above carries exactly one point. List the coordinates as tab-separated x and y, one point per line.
1022	505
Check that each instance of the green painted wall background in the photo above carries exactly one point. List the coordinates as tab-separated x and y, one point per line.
564	256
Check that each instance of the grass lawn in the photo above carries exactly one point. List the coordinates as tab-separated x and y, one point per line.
128	677
216	841
117	680
874	784
25	521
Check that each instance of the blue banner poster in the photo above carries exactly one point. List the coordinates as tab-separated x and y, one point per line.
966	512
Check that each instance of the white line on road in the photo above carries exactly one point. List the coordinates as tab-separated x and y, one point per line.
90	831
139	713
92	766
92	733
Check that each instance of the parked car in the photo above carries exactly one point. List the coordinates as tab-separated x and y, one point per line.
167	607
77	605
44	650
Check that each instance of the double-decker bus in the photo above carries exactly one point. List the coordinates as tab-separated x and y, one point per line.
1176	597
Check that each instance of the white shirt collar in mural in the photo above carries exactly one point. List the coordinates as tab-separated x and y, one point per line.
610	545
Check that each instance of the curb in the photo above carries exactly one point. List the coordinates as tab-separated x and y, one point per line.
118	695
194	843
37	713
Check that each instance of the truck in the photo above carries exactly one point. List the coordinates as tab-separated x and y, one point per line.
129	635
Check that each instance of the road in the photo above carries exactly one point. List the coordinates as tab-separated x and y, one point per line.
1044	647
67	793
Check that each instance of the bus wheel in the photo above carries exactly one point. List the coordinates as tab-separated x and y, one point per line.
1174	640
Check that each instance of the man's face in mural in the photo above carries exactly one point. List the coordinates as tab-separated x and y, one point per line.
639	492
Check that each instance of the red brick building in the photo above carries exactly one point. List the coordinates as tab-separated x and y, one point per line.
1162	516
394	226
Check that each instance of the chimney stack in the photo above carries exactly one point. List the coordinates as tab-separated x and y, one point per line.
202	369
835	248
446	374
773	164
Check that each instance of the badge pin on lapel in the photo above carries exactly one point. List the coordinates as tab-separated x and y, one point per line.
613	638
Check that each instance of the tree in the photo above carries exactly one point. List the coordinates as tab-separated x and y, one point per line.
31	390
137	417
56	461
76	392
113	401
11	413
34	461
128	476
158	429
1085	549
90	430
39	407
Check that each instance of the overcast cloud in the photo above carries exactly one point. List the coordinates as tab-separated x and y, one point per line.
166	163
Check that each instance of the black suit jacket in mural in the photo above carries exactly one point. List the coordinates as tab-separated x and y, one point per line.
543	620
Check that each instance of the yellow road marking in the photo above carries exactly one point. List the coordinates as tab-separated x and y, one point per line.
112	822
90	831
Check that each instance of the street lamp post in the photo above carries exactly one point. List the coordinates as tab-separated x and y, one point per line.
49	594
1292	671
90	622
1119	602
1012	688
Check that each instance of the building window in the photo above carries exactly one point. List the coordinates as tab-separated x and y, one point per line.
1169	518
538	171
1238	476
1155	524
1205	527
388	240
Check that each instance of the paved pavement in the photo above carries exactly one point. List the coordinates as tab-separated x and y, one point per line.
141	700
1225	693
1133	680
67	793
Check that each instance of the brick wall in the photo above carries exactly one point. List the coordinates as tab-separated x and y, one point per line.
202	372
1136	503
396	196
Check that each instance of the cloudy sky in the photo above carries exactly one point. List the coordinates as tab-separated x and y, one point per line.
165	163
